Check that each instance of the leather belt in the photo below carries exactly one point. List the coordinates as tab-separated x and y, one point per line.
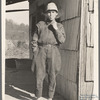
48	45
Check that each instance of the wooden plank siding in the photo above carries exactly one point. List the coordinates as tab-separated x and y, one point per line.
90	41
69	65
91	21
91	5
89	27
65	10
68	8
89	65
86	83
72	8
72	28
86	91
67	88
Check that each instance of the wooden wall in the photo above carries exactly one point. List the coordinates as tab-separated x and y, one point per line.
67	80
86	68
69	10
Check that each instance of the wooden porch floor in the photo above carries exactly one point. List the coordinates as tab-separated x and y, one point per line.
19	85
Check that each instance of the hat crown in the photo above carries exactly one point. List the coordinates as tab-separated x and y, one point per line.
52	6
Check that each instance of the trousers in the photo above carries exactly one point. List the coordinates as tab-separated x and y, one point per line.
47	61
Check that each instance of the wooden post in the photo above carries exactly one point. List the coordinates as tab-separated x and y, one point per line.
85	57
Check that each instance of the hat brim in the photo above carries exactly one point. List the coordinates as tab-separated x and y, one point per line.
51	10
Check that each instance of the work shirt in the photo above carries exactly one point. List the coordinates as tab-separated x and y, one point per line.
47	35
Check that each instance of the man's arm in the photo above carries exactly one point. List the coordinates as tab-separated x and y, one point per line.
60	34
34	40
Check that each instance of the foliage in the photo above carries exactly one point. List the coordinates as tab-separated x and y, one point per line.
17	40
16	32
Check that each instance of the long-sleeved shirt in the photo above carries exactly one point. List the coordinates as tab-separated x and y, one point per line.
47	35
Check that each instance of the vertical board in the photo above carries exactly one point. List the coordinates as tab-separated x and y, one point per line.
87	28
32	8
72	30
89	64
71	89
90	28
86	92
58	84
66	88
91	5
32	23
86	56
62	85
69	65
68	8
72	8
91	16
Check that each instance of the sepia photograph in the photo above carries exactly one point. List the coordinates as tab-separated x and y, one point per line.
50	50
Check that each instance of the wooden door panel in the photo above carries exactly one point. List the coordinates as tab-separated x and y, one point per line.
89	65
72	34
68	8
69	65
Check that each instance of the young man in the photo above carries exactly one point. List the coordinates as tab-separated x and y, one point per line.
48	36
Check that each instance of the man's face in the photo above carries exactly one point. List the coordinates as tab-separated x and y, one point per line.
52	15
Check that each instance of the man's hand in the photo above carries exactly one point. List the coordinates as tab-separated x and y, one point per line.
54	25
34	46
35	49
